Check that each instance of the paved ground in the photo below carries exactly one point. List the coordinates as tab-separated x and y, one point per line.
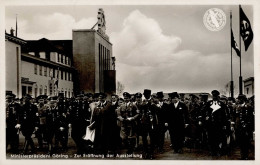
188	154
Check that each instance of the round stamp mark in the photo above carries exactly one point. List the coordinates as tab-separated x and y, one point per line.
214	19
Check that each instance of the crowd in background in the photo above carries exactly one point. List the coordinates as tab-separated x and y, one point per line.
135	121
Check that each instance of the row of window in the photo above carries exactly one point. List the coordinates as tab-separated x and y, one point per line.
60	74
53	56
43	91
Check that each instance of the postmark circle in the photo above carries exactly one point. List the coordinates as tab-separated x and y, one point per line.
214	19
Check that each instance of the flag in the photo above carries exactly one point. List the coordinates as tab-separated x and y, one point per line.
245	29
234	43
57	83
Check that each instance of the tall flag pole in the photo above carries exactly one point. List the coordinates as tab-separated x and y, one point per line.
245	32
16	27
240	75
231	83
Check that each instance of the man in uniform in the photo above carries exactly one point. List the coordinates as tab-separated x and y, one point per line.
128	114
245	125
12	132
51	115
28	122
62	131
177	120
78	121
216	121
41	132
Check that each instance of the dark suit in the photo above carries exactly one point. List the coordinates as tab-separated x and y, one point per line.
177	117
28	121
12	136
216	120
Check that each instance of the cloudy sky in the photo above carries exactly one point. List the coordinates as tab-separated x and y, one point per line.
163	48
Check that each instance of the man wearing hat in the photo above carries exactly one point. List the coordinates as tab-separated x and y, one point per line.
105	125
138	103
61	135
128	114
216	121
244	125
161	114
78	122
12	133
148	123
177	120
51	122
194	130
41	114
28	122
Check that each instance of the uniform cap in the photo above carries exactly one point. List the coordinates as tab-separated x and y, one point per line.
126	94
138	95
215	93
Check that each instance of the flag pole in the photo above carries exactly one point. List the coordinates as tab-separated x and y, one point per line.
16	28
240	77
231	82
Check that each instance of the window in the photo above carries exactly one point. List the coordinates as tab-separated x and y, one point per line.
45	90
65	75
61	74
29	90
65	93
45	71
40	70
35	68
58	57
42	55
58	72
41	90
53	73
50	72
66	60
35	91
50	89
247	90
32	53
70	76
69	93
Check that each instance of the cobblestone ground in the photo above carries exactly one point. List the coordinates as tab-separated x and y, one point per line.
188	154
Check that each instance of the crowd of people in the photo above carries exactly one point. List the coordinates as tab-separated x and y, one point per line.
135	120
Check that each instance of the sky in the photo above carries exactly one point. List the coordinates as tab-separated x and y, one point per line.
159	47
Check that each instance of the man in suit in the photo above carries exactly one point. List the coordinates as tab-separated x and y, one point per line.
216	121
177	120
128	114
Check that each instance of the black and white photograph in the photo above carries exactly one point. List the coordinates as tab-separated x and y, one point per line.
129	81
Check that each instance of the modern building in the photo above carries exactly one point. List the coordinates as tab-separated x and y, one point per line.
13	63
48	67
39	67
249	86
93	59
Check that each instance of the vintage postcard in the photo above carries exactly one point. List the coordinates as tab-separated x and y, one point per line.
140	81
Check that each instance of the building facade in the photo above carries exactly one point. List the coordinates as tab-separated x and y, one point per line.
249	87
13	63
93	59
39	67
48	67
